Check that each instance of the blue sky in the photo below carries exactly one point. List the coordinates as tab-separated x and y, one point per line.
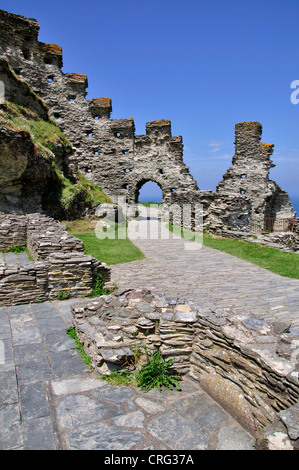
204	65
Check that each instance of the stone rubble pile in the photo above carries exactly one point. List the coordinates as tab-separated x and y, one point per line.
249	366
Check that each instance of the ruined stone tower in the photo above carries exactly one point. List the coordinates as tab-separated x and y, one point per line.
249	175
107	152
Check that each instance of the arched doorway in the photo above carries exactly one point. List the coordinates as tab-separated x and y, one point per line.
150	192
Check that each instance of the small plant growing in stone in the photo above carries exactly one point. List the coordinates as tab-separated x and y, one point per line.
155	373
62	295
98	287
71	332
151	371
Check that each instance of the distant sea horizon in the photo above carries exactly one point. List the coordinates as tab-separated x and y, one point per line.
295	202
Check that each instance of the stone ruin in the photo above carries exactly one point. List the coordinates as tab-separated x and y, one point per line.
60	264
249	366
108	152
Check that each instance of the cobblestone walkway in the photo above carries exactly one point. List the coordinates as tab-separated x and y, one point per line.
204	275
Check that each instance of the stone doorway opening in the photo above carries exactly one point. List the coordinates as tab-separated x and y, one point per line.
149	191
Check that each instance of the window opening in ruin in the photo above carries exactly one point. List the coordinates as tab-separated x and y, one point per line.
127	170
172	190
243	176
50	79
90	134
125	186
96	153
96	118
149	191
56	115
117	134
124	152
242	191
161	171
72	98
88	170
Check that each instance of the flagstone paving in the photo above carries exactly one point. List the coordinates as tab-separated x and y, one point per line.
49	399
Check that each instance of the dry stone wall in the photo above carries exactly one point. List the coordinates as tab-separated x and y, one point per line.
60	265
248	365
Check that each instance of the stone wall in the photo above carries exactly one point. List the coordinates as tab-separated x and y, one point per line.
249	366
23	284
106	150
249	175
46	236
219	213
13	231
60	264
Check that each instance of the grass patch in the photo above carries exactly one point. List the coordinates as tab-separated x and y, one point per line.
107	250
71	332
110	251
274	260
44	134
152	371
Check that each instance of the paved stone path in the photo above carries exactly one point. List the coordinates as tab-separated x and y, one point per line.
204	275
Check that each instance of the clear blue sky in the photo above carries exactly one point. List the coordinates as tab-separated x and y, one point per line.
205	65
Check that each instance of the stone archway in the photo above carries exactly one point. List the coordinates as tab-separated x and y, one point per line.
141	184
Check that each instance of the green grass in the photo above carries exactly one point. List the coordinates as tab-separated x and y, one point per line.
66	190
279	262
107	250
71	332
153	372
44	134
156	205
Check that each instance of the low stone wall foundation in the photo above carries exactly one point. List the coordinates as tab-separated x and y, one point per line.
60	266
249	366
